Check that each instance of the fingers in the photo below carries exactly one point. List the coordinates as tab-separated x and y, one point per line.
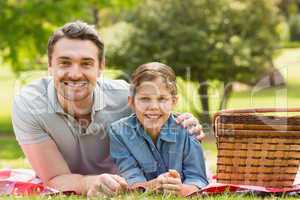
201	136
187	120
121	181
167	180
173	173
197	130
97	190
107	184
190	122
183	116
171	187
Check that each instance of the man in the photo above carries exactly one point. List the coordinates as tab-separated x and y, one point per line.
60	122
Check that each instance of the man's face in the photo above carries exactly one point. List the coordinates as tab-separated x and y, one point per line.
75	68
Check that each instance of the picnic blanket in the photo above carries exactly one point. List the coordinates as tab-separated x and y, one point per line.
25	182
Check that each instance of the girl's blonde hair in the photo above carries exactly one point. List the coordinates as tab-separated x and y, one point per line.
152	71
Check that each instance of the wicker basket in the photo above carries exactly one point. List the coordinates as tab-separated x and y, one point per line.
257	149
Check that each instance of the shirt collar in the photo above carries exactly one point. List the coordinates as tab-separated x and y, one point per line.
98	96
169	130
53	98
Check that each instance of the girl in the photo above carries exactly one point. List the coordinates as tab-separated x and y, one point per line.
150	149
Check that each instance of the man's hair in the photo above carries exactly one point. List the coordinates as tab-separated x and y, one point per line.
76	30
152	71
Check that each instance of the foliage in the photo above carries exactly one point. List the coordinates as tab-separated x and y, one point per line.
26	25
225	40
294	25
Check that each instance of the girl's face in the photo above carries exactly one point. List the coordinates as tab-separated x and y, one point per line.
152	104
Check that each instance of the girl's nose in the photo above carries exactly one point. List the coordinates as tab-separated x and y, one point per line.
154	105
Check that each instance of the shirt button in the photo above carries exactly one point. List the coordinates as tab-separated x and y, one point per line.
94	128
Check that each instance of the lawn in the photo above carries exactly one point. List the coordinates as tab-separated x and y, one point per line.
288	62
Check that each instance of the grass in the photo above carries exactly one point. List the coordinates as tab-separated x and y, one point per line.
146	196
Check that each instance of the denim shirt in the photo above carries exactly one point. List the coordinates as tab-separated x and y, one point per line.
140	160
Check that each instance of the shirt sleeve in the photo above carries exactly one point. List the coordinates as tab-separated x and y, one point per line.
127	165
26	123
193	163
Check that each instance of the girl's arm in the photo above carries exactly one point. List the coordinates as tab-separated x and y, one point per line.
193	167
127	165
169	182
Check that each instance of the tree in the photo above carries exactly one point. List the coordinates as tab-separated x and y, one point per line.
26	25
224	40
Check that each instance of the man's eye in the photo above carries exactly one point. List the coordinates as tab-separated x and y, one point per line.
87	64
64	63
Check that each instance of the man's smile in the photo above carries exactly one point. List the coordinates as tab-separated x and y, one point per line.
75	84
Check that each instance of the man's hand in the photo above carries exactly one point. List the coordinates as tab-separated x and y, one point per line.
187	120
106	185
169	182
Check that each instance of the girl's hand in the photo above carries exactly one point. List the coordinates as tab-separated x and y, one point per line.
169	182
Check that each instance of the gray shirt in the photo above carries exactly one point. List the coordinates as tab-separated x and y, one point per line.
37	116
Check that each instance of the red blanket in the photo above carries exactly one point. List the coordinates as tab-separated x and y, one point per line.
25	182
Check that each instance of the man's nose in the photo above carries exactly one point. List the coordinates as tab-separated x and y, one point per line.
75	72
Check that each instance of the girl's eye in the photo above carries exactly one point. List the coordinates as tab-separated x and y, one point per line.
145	99
163	99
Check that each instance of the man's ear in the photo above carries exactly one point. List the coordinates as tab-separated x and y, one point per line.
101	67
50	69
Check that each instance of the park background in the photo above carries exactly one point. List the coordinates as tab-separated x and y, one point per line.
226	53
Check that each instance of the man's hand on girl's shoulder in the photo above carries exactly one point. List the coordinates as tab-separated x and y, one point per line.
188	121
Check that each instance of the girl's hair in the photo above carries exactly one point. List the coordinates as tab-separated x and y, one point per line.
152	71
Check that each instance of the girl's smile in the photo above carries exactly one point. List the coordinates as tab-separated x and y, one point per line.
153	104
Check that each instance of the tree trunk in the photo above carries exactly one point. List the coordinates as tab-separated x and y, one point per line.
96	18
225	97
203	92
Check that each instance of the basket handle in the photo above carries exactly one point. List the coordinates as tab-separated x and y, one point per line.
250	110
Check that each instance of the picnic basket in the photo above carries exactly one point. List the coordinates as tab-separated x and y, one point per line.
257	146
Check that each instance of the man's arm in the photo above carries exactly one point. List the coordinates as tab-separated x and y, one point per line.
50	166
46	159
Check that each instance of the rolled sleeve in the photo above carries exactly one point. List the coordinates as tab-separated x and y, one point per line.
197	182
134	176
25	122
127	165
193	164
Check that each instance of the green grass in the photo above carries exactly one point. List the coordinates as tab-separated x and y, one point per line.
146	196
6	96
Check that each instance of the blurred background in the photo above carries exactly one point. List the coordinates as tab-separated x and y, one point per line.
226	53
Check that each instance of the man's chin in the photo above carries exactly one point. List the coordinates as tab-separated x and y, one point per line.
74	97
